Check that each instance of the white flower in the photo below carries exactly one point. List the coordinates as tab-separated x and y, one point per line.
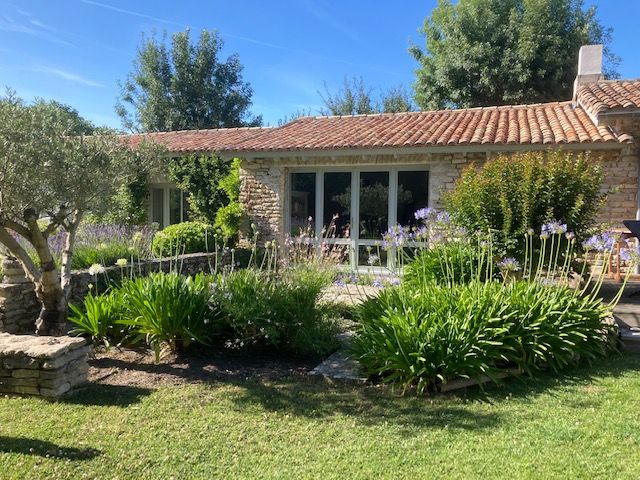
96	269
122	262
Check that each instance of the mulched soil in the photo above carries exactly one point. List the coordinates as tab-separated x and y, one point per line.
137	367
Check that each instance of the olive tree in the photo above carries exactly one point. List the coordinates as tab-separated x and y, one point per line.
50	176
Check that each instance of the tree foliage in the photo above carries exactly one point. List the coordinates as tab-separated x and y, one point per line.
185	86
200	176
510	194
50	172
355	98
495	52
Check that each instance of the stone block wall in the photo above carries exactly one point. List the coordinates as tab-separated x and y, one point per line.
44	366
264	181
19	307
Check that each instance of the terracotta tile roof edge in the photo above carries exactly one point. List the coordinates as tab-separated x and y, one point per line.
423	112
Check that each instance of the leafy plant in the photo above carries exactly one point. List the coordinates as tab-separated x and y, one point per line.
169	311
98	318
511	194
424	337
277	310
185	237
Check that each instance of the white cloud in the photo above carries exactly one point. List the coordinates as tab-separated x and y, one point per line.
66	75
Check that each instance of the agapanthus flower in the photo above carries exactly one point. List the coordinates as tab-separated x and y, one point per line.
600	243
425	213
339	282
122	262
509	264
373	259
377	283
443	217
96	269
395	281
554	227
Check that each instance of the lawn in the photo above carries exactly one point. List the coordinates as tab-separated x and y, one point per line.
583	424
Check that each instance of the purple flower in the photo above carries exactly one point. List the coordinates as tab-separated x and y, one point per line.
339	283
443	217
377	283
509	264
425	213
600	243
395	281
554	227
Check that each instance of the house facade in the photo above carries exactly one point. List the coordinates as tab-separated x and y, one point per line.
365	173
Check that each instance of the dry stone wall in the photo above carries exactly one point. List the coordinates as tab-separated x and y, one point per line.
19	307
46	366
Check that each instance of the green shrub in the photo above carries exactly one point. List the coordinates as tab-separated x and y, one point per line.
513	193
277	311
229	220
169	310
98	318
424	337
186	237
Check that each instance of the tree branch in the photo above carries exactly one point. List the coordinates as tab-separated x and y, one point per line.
18	228
67	254
21	254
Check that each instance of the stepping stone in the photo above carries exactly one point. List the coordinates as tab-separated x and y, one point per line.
339	367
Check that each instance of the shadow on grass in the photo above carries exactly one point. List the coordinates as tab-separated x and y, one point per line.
42	448
375	405
107	395
366	405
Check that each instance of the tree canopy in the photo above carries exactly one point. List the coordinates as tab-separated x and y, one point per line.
355	98
185	86
496	52
50	176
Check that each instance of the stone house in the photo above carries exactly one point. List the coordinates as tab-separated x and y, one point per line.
373	171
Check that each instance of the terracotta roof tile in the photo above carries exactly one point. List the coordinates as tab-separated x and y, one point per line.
541	124
611	95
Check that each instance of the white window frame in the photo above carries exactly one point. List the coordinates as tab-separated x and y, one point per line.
354	241
166	202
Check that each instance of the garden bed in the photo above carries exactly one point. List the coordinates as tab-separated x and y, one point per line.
136	368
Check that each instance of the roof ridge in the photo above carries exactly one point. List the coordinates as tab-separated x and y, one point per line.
445	110
200	130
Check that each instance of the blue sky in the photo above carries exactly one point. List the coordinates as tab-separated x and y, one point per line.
75	51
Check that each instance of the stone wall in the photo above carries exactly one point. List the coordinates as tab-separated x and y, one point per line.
264	188
19	307
44	366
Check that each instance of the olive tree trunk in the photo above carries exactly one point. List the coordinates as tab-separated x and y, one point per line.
52	287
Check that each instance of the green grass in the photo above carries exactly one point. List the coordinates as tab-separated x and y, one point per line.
581	425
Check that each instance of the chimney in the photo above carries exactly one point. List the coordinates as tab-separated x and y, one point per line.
589	67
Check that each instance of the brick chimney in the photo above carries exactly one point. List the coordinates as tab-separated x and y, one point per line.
589	67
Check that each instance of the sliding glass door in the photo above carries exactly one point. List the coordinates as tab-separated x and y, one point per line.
355	208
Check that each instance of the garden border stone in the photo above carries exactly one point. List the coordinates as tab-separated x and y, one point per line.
45	366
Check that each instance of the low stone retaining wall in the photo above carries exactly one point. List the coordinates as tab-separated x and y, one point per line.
44	366
19	307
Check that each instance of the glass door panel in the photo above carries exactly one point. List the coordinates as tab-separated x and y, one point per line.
303	201
157	207
337	202
373	204
175	206
413	194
